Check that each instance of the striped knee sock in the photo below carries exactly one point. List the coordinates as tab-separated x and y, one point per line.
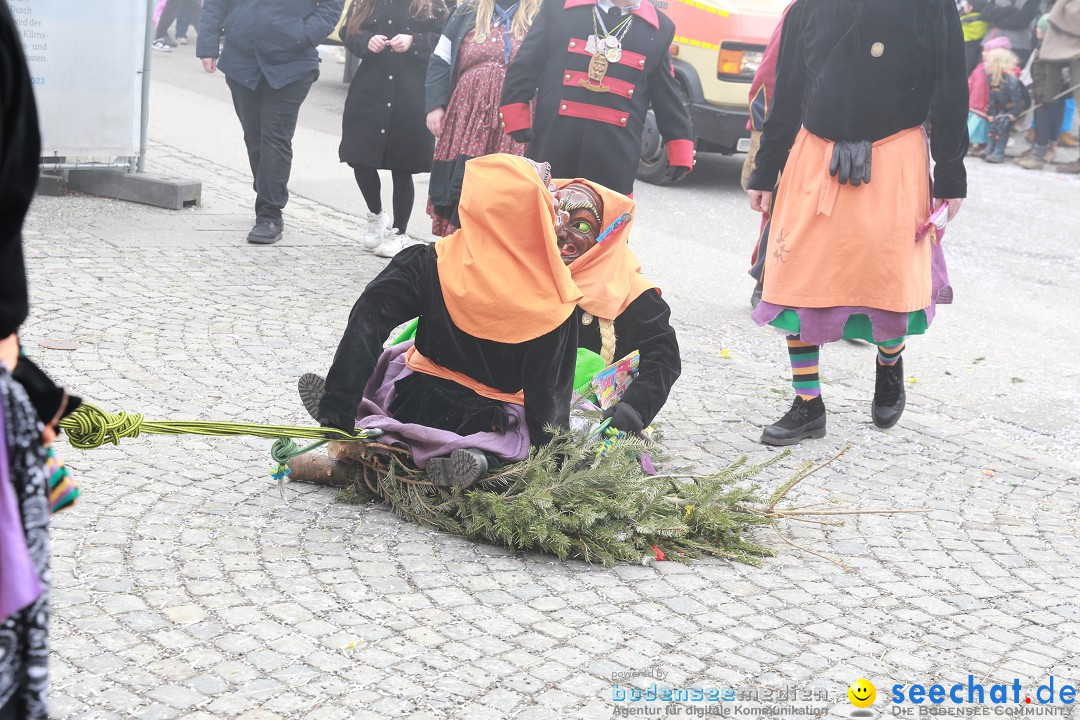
889	354
804	368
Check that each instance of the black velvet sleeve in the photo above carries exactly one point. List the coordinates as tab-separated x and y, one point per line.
19	156
548	380
785	116
393	297
645	326
949	106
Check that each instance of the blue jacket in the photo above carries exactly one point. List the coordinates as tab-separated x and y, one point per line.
275	39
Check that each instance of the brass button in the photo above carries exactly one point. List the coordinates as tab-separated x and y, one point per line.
573	44
641	63
500	116
566	76
391	77
387	104
563	107
622	120
630	93
877	49
383	131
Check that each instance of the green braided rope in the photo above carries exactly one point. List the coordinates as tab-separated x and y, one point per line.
91	427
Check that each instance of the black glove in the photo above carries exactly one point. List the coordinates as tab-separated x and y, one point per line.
49	399
524	135
624	417
851	162
676	173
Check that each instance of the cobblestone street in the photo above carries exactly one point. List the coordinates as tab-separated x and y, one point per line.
184	587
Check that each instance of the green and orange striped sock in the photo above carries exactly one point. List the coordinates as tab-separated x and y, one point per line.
804	368
888	354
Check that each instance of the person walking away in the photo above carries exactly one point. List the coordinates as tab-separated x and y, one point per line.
162	42
849	254
383	127
270	61
464	83
975	29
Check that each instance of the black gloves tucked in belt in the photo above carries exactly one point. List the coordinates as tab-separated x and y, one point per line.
851	162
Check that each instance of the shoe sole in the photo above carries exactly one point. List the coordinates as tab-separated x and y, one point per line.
312	388
461	470
258	240
816	434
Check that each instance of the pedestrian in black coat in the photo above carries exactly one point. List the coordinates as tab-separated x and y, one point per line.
383	127
591	128
270	61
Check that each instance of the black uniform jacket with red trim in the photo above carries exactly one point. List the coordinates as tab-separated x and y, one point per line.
595	135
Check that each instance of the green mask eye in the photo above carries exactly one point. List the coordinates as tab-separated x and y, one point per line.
583	226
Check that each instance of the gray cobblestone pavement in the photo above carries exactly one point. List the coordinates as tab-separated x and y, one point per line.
186	588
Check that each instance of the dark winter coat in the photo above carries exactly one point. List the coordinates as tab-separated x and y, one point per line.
20	151
384	124
275	39
865	71
595	135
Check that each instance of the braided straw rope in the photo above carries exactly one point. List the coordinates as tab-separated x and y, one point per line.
607	340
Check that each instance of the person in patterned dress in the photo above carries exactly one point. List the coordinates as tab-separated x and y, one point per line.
464	83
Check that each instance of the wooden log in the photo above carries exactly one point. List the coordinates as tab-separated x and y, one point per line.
321	469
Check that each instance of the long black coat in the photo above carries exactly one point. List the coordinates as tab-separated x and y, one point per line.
384	121
595	135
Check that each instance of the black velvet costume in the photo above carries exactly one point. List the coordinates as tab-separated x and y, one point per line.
643	326
409	287
865	70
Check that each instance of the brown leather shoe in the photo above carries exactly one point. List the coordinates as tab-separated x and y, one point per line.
1068	140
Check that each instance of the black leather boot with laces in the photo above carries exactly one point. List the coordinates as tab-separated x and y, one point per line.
889	395
805	419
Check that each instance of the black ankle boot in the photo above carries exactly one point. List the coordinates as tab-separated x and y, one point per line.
312	387
889	395
805	419
461	469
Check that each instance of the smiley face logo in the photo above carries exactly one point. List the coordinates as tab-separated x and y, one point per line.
862	693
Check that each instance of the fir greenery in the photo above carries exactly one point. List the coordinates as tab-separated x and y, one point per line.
564	501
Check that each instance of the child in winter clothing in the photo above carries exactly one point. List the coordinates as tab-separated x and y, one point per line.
996	99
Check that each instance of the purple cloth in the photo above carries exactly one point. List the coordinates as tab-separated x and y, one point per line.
19	585
824	325
425	442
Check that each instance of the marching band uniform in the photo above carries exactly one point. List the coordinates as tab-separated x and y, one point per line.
594	74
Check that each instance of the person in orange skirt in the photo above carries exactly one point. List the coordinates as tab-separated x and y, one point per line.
854	240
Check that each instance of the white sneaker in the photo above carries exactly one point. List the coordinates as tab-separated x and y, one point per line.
161	46
394	243
376	232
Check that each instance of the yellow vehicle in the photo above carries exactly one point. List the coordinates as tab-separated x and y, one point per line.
717	49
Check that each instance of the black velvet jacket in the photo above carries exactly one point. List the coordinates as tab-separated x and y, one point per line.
643	326
19	155
864	70
409	286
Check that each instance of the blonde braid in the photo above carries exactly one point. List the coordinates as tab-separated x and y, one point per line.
607	340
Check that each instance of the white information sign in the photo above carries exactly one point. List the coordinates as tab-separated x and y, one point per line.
86	59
